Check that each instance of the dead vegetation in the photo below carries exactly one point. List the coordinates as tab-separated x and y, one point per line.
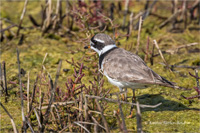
80	106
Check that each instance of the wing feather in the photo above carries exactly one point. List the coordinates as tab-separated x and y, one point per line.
128	67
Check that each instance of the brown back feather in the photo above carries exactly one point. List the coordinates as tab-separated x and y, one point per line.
125	66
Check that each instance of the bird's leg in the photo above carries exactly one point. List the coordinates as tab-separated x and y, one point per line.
132	106
124	96
133	100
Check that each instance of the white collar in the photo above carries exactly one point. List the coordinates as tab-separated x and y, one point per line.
106	48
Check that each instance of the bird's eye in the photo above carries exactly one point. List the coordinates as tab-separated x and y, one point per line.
95	41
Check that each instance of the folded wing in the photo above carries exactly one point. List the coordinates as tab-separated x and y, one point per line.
128	67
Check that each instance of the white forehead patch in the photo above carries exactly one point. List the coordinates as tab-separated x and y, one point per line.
99	40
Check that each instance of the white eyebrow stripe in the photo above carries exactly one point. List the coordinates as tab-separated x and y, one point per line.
99	40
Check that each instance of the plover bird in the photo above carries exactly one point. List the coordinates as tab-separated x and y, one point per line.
123	68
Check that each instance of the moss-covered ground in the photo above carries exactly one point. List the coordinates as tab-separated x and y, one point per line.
176	114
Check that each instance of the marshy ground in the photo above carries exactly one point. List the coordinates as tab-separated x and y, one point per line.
79	73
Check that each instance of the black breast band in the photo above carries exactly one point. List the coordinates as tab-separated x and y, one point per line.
103	55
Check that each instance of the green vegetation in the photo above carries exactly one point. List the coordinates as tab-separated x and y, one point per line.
176	114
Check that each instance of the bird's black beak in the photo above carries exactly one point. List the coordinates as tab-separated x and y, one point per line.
86	47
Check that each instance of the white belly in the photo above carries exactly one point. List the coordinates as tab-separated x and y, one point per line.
121	84
115	82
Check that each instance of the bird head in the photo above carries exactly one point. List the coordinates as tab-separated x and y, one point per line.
101	43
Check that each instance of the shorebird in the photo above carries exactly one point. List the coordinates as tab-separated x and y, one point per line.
123	68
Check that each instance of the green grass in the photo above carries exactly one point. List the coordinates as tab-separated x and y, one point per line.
174	115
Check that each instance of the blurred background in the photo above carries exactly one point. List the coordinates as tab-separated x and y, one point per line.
50	37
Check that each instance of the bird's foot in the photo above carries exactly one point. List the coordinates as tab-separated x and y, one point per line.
124	97
131	111
131	115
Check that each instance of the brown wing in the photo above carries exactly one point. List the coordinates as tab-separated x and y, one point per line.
128	67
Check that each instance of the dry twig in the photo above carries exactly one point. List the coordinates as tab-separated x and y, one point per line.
171	18
58	103
196	88
103	118
175	50
28	123
38	118
125	13
53	87
58	115
139	32
4	79
122	116
139	118
21	95
146	13
96	122
156	44
82	126
9	27
11	118
33	94
147	50
1	83
130	28
28	100
22	16
118	120
122	102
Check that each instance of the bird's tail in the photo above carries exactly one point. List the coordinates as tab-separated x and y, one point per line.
172	84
